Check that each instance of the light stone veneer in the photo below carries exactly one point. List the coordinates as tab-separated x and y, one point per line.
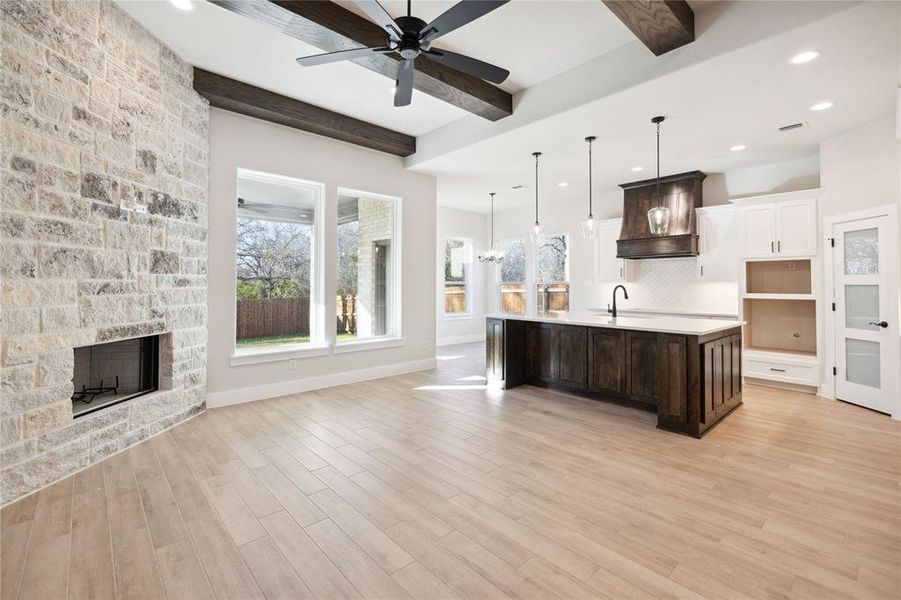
98	118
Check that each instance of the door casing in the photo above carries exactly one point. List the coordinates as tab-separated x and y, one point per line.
891	211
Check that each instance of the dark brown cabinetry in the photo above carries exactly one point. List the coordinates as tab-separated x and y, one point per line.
691	382
607	362
557	355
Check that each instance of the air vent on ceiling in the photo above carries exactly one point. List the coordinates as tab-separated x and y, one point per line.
793	127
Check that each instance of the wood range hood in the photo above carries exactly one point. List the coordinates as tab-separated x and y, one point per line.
682	194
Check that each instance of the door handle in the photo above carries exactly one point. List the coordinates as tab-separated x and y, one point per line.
779	246
882	324
772	248
777	370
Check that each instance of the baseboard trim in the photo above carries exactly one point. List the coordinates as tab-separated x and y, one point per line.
460	339
295	386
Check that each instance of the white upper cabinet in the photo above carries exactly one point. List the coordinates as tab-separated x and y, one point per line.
778	225
796	227
717	244
608	268
757	228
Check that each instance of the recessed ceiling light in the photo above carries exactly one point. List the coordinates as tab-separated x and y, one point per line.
562	184
637	169
804	57
182	4
738	147
825	105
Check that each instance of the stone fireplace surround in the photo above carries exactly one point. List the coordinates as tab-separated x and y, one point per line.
104	167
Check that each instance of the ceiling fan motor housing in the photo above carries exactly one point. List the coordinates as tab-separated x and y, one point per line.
409	46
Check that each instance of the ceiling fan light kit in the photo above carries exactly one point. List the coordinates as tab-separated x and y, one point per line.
410	37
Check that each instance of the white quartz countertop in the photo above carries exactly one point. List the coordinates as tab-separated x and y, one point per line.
676	325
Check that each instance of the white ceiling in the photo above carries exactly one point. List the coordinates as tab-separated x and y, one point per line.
533	39
741	97
585	74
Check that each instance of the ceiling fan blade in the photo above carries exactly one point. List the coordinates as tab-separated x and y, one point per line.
457	16
330	57
467	64
403	87
381	17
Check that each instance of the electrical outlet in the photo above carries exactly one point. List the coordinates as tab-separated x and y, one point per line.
292	365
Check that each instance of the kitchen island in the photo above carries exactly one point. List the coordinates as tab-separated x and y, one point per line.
686	370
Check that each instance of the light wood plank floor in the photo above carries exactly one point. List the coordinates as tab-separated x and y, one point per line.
430	486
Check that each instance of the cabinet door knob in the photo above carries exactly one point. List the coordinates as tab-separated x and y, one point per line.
882	324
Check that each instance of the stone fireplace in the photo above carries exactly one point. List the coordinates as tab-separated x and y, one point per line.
104	165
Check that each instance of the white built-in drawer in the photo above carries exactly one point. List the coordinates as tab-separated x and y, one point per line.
780	370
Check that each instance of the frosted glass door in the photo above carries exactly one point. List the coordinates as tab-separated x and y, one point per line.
862	319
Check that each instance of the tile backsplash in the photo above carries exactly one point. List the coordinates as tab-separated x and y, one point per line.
671	284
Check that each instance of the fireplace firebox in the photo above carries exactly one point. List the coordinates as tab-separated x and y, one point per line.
110	373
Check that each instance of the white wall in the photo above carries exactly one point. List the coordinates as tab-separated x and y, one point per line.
473	226
861	168
236	142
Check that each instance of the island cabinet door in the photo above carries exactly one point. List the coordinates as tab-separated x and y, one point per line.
544	352
642	366
673	380
722	376
573	366
607	362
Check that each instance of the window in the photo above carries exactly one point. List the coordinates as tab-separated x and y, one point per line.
511	277
277	260
457	275
552	260
368	286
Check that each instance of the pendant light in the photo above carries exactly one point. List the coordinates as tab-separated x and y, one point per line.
492	255
658	217
535	233
590	224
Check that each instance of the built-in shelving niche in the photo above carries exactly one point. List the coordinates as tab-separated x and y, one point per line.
781	325
772	277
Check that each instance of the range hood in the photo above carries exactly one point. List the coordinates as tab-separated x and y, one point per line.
681	194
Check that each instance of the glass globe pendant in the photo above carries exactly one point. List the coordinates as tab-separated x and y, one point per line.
492	255
658	217
535	233
589	224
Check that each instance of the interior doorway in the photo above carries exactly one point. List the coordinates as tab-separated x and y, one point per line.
863	281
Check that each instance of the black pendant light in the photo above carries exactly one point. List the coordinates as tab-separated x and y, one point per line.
589	224
658	217
535	233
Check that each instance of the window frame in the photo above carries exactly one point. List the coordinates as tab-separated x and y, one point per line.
537	266
318	344
499	282
394	288
468	268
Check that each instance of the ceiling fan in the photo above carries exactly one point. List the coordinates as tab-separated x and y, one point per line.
267	208
411	37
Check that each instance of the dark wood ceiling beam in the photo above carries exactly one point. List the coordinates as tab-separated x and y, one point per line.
331	27
246	99
661	25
